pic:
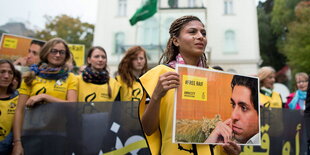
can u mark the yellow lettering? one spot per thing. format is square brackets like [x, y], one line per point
[286, 148]
[297, 138]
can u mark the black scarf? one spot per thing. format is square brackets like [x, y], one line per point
[95, 77]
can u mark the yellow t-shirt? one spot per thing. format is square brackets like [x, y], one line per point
[89, 92]
[130, 94]
[160, 142]
[7, 111]
[55, 88]
[274, 101]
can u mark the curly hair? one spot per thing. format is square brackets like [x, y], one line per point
[125, 67]
[171, 50]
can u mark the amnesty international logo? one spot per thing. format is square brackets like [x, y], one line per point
[135, 94]
[12, 105]
[41, 91]
[194, 88]
[90, 97]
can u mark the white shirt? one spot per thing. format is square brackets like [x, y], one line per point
[254, 139]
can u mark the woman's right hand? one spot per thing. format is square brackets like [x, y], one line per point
[166, 81]
[150, 118]
[18, 149]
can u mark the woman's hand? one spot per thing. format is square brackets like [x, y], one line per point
[232, 148]
[18, 149]
[222, 133]
[166, 82]
[150, 118]
[34, 99]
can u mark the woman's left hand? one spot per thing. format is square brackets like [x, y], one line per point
[34, 99]
[232, 148]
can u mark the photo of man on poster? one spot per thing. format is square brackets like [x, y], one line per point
[243, 125]
[33, 54]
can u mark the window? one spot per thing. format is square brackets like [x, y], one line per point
[228, 7]
[122, 7]
[191, 3]
[173, 3]
[230, 42]
[165, 32]
[119, 42]
[149, 32]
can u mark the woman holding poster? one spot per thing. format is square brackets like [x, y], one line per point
[186, 45]
[47, 82]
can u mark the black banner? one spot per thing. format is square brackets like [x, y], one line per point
[282, 131]
[114, 128]
[84, 128]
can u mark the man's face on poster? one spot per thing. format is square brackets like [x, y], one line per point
[244, 116]
[33, 54]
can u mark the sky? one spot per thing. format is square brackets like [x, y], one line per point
[32, 12]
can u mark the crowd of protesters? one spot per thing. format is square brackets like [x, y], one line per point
[49, 80]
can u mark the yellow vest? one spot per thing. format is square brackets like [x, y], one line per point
[130, 94]
[7, 111]
[160, 142]
[55, 88]
[274, 101]
[89, 92]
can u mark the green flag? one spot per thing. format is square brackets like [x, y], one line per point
[145, 12]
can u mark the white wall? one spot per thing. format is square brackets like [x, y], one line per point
[243, 22]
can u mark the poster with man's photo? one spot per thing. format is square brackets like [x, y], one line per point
[215, 107]
[13, 47]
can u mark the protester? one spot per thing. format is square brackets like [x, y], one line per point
[297, 99]
[218, 68]
[268, 97]
[131, 67]
[17, 79]
[8, 102]
[95, 83]
[33, 54]
[49, 81]
[280, 86]
[243, 125]
[186, 45]
[307, 116]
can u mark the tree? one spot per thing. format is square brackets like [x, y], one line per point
[73, 30]
[282, 14]
[267, 38]
[297, 44]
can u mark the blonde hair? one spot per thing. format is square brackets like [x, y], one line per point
[302, 74]
[264, 72]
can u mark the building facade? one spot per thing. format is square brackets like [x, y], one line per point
[232, 30]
